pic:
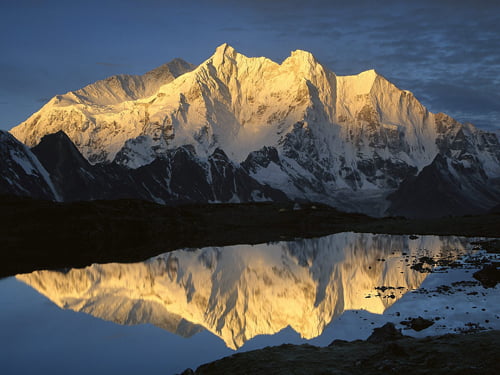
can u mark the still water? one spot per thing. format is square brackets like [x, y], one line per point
[192, 306]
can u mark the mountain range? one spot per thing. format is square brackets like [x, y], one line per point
[236, 129]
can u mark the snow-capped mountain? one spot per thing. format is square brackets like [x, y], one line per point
[87, 115]
[21, 173]
[125, 87]
[239, 292]
[348, 141]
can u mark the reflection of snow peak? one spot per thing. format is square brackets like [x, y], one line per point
[239, 292]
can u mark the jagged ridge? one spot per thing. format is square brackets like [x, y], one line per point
[346, 141]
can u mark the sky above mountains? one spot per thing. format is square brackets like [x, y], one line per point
[445, 52]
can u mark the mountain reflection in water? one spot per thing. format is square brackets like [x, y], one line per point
[239, 292]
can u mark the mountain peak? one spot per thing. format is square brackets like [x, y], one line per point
[66, 151]
[360, 83]
[176, 67]
[368, 76]
[21, 172]
[301, 58]
[369, 73]
[303, 55]
[222, 54]
[225, 49]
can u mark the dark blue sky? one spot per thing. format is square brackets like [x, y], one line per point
[446, 52]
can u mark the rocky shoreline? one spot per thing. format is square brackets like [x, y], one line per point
[385, 352]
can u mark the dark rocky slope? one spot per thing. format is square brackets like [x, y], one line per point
[20, 172]
[179, 176]
[445, 187]
[469, 354]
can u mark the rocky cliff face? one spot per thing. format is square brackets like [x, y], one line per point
[459, 181]
[242, 291]
[21, 173]
[347, 141]
[178, 176]
[448, 186]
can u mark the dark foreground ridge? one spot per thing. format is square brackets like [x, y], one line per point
[36, 234]
[476, 353]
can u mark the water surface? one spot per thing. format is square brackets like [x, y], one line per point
[188, 307]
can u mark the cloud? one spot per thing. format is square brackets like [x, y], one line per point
[458, 96]
[445, 52]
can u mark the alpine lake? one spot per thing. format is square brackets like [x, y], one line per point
[187, 307]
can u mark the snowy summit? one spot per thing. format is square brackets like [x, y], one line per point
[348, 141]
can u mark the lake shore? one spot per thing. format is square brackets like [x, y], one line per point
[472, 353]
[46, 235]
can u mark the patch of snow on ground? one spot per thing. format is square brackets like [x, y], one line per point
[450, 297]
